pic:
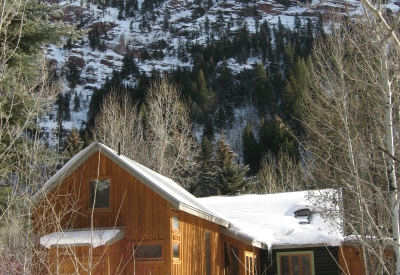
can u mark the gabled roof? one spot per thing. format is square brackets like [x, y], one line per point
[270, 218]
[178, 197]
[265, 221]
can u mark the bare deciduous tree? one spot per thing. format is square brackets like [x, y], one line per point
[347, 128]
[159, 136]
[279, 174]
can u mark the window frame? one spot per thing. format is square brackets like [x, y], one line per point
[176, 216]
[254, 260]
[158, 259]
[176, 236]
[89, 192]
[295, 253]
[179, 251]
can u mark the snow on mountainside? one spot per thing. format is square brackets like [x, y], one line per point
[119, 36]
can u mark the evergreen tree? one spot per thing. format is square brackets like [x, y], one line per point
[279, 34]
[207, 24]
[114, 3]
[29, 30]
[206, 153]
[262, 89]
[77, 102]
[129, 67]
[26, 88]
[72, 75]
[210, 3]
[167, 17]
[251, 155]
[275, 136]
[130, 7]
[66, 107]
[202, 92]
[73, 143]
[121, 9]
[208, 130]
[294, 91]
[229, 177]
[221, 119]
[94, 37]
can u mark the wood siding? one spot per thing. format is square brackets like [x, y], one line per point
[325, 260]
[350, 259]
[144, 214]
[104, 260]
[193, 247]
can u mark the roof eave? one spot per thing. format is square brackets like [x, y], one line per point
[244, 238]
[201, 214]
[65, 171]
[294, 246]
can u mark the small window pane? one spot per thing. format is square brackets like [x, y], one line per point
[148, 251]
[306, 265]
[176, 250]
[99, 194]
[285, 265]
[251, 266]
[175, 223]
[295, 265]
[247, 265]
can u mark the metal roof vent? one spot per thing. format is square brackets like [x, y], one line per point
[303, 215]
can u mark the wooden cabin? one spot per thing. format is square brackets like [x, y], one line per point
[103, 213]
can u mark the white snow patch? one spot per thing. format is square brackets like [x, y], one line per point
[94, 238]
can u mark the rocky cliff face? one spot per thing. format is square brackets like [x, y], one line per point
[154, 38]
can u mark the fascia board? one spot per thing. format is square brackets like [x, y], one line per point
[203, 215]
[243, 238]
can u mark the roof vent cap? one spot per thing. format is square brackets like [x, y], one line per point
[303, 215]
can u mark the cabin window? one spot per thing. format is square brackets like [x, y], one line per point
[251, 263]
[299, 263]
[148, 252]
[175, 250]
[208, 252]
[99, 194]
[176, 236]
[231, 253]
[175, 223]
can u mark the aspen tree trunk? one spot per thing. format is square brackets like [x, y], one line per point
[390, 149]
[388, 41]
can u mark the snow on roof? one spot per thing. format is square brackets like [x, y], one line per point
[94, 237]
[163, 186]
[270, 218]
